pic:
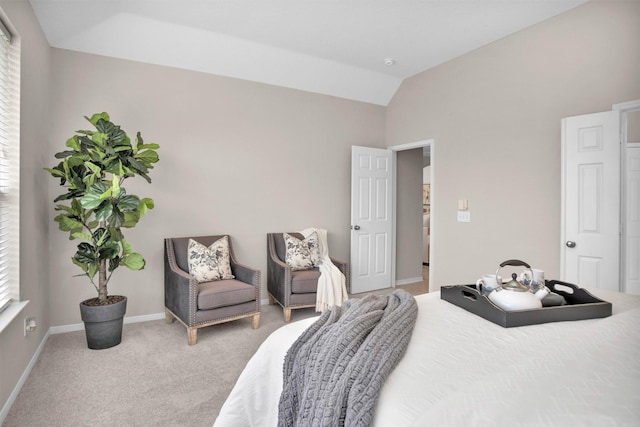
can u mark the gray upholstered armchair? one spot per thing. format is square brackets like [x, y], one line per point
[292, 289]
[197, 305]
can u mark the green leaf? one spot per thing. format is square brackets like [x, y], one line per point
[73, 143]
[99, 138]
[147, 157]
[144, 205]
[64, 208]
[94, 119]
[84, 236]
[91, 200]
[82, 265]
[70, 195]
[149, 203]
[109, 250]
[137, 166]
[145, 176]
[92, 269]
[104, 212]
[115, 168]
[55, 172]
[86, 253]
[116, 234]
[105, 126]
[114, 263]
[64, 154]
[133, 261]
[116, 218]
[127, 203]
[115, 186]
[121, 148]
[126, 248]
[89, 180]
[94, 168]
[131, 218]
[87, 142]
[152, 146]
[100, 236]
[74, 161]
[97, 156]
[76, 208]
[66, 223]
[119, 136]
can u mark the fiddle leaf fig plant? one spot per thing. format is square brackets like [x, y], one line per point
[95, 206]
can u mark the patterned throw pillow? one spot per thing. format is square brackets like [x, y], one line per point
[302, 254]
[212, 263]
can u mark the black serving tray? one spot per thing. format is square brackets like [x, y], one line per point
[580, 305]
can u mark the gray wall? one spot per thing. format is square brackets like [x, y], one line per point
[236, 157]
[495, 116]
[16, 350]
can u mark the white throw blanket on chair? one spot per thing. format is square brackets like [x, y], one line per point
[332, 288]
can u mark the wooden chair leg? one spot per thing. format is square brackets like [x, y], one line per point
[255, 321]
[168, 316]
[287, 315]
[192, 335]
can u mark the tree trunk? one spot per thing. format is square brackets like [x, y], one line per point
[102, 281]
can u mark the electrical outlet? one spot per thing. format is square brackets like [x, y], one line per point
[29, 325]
[464, 216]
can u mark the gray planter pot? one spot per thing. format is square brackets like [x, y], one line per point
[103, 324]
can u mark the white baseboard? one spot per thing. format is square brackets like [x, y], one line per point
[144, 318]
[80, 326]
[23, 379]
[408, 281]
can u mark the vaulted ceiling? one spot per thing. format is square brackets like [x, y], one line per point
[354, 49]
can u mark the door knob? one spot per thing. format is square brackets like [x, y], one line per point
[571, 244]
[356, 227]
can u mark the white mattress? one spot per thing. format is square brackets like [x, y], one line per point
[461, 370]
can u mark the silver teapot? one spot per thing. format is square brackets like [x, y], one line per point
[513, 295]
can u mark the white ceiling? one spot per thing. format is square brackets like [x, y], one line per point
[333, 47]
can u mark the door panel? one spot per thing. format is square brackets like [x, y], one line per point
[371, 218]
[591, 200]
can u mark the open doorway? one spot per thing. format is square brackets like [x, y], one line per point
[410, 206]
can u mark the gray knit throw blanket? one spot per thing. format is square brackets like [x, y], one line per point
[334, 371]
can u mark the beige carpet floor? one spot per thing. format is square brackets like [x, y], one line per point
[152, 378]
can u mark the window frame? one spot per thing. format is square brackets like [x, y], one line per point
[9, 173]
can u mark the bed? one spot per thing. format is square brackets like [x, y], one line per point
[462, 370]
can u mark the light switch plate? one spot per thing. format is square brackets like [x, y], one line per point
[464, 216]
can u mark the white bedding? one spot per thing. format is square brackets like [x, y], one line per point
[462, 370]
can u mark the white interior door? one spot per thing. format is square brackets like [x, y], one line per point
[633, 221]
[591, 200]
[371, 218]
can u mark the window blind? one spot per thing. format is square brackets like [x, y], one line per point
[9, 169]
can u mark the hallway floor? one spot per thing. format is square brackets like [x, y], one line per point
[416, 288]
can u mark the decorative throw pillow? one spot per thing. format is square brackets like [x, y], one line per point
[209, 263]
[302, 254]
